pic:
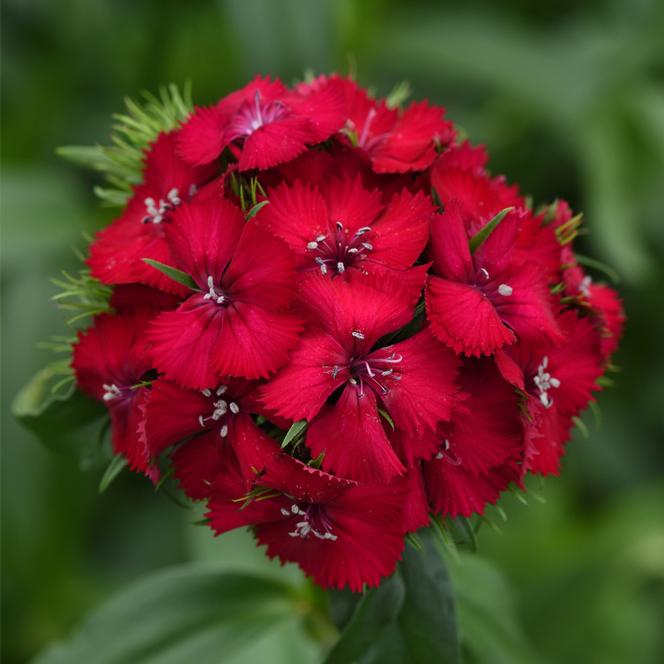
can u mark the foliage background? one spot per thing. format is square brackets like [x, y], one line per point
[569, 98]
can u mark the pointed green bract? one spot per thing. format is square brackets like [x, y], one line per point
[296, 429]
[122, 162]
[256, 209]
[173, 273]
[480, 237]
[117, 465]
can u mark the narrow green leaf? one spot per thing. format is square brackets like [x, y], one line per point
[256, 209]
[599, 266]
[296, 429]
[190, 613]
[481, 236]
[398, 95]
[387, 417]
[117, 465]
[173, 273]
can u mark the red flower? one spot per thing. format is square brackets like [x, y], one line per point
[218, 418]
[480, 302]
[110, 362]
[412, 380]
[239, 323]
[340, 226]
[340, 533]
[602, 302]
[480, 449]
[116, 255]
[395, 141]
[264, 124]
[559, 381]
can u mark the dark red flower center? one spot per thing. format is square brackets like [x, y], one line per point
[338, 250]
[314, 521]
[447, 454]
[221, 410]
[253, 116]
[215, 293]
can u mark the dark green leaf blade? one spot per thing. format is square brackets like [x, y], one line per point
[427, 619]
[376, 611]
[482, 235]
[173, 273]
[192, 612]
[65, 421]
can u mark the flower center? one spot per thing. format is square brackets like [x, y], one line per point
[253, 116]
[339, 250]
[314, 522]
[111, 392]
[544, 381]
[215, 294]
[446, 453]
[220, 409]
[157, 210]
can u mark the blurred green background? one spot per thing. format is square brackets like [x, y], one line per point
[569, 99]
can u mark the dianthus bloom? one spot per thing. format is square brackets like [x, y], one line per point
[330, 322]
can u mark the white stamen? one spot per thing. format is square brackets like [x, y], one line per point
[320, 238]
[221, 390]
[235, 409]
[584, 286]
[544, 381]
[312, 245]
[223, 432]
[357, 334]
[484, 272]
[341, 268]
[505, 290]
[219, 298]
[340, 226]
[353, 250]
[367, 245]
[321, 262]
[206, 392]
[201, 421]
[111, 392]
[363, 230]
[303, 528]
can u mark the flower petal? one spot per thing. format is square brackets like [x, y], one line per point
[352, 437]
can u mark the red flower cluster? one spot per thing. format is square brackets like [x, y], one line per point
[357, 274]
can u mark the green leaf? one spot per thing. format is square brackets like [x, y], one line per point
[190, 613]
[398, 95]
[255, 209]
[486, 615]
[173, 273]
[410, 617]
[427, 620]
[377, 610]
[481, 236]
[117, 465]
[599, 266]
[296, 429]
[65, 421]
